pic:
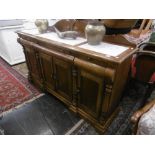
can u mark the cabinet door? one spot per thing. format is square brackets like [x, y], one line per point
[32, 59]
[63, 76]
[47, 70]
[89, 88]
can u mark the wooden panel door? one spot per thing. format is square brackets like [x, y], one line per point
[32, 59]
[47, 70]
[63, 76]
[89, 88]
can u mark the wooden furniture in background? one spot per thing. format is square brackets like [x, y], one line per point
[145, 72]
[119, 23]
[145, 67]
[139, 113]
[89, 83]
[144, 28]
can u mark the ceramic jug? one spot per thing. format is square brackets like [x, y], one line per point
[94, 32]
[42, 25]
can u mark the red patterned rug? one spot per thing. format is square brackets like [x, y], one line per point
[14, 88]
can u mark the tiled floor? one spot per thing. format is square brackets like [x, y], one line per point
[43, 116]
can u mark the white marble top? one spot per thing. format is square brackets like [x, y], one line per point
[53, 36]
[105, 48]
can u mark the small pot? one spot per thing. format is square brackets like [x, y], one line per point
[42, 25]
[94, 33]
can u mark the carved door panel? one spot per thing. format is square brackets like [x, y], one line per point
[89, 88]
[47, 70]
[63, 76]
[32, 58]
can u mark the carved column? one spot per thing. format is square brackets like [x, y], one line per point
[106, 101]
[39, 66]
[75, 94]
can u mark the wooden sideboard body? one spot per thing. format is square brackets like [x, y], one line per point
[89, 83]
